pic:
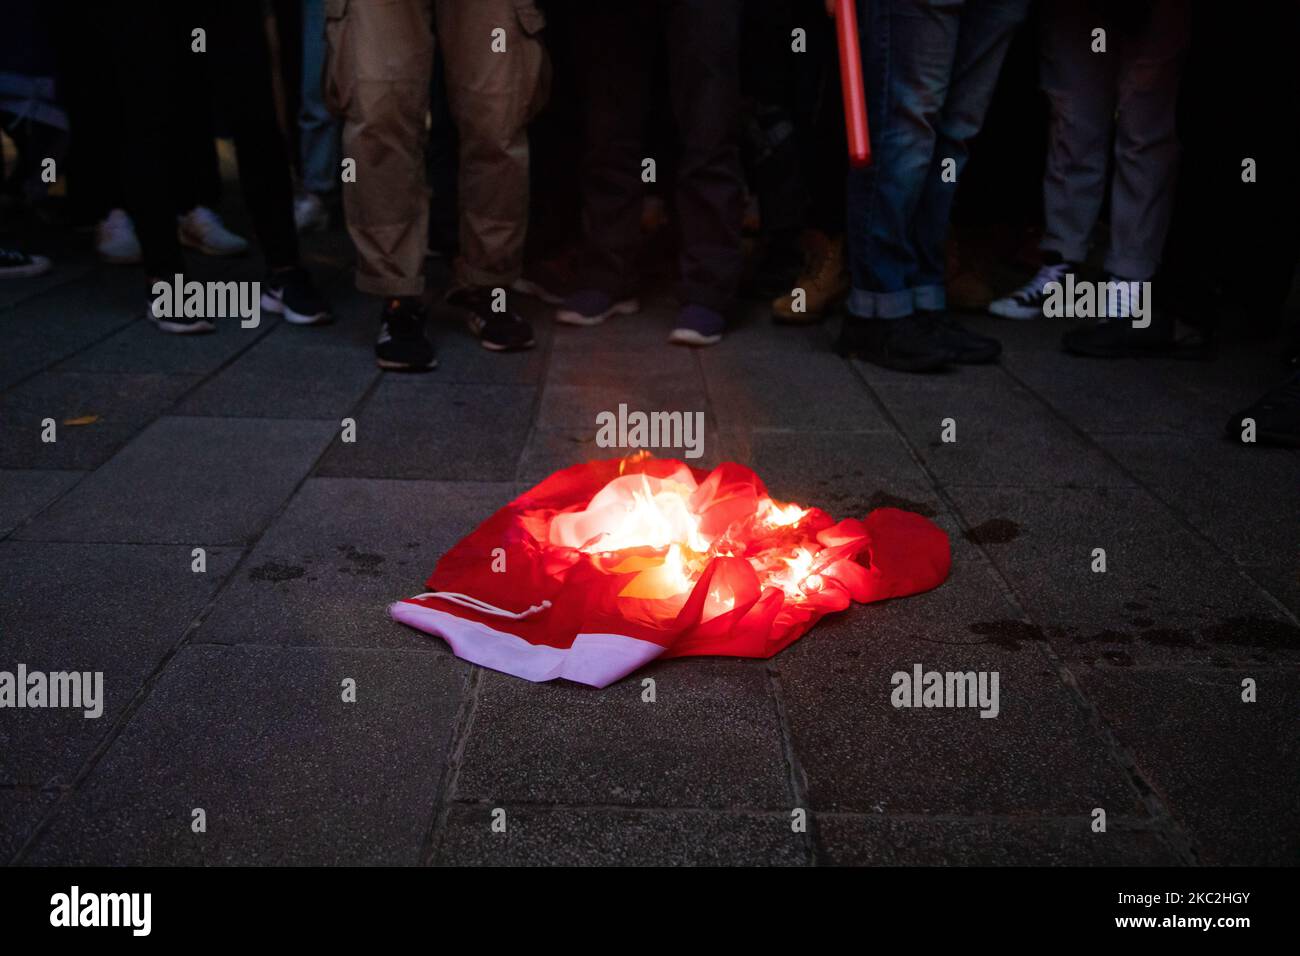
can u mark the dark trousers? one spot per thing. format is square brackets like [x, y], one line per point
[794, 120]
[702, 38]
[162, 93]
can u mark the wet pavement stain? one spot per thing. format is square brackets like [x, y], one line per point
[993, 531]
[272, 571]
[1009, 635]
[1254, 631]
[363, 563]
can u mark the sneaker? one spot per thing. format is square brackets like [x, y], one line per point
[506, 331]
[551, 280]
[823, 281]
[180, 325]
[698, 325]
[1117, 338]
[1276, 416]
[310, 214]
[19, 265]
[590, 307]
[401, 345]
[289, 292]
[1027, 301]
[907, 344]
[966, 347]
[202, 229]
[116, 241]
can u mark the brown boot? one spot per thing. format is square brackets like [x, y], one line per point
[823, 282]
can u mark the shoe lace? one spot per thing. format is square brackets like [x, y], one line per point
[1045, 274]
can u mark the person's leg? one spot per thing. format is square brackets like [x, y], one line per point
[909, 48]
[703, 38]
[1146, 142]
[1080, 88]
[492, 95]
[377, 78]
[493, 90]
[318, 130]
[615, 45]
[150, 106]
[239, 67]
[982, 43]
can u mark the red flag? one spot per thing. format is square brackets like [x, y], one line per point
[608, 565]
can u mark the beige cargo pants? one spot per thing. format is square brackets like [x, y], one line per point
[377, 71]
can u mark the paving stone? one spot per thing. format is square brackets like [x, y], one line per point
[1004, 436]
[859, 753]
[549, 450]
[1226, 768]
[113, 408]
[710, 740]
[290, 375]
[1245, 499]
[846, 474]
[445, 432]
[886, 841]
[286, 772]
[600, 367]
[564, 836]
[21, 810]
[205, 481]
[806, 390]
[23, 493]
[1121, 397]
[1165, 595]
[342, 551]
[140, 347]
[578, 407]
[66, 317]
[117, 609]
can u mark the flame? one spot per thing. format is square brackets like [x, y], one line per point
[639, 513]
[774, 515]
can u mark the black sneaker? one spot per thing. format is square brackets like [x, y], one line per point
[290, 293]
[967, 347]
[1276, 416]
[1117, 338]
[401, 345]
[506, 331]
[178, 325]
[906, 344]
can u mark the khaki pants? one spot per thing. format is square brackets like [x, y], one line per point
[377, 75]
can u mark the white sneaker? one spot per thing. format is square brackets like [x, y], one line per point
[20, 265]
[1027, 301]
[310, 213]
[202, 229]
[115, 239]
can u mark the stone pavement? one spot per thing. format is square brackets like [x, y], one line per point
[1119, 690]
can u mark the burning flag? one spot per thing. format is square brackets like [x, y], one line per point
[608, 565]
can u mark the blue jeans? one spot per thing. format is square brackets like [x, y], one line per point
[317, 128]
[930, 67]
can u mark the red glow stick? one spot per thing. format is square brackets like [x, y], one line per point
[855, 99]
